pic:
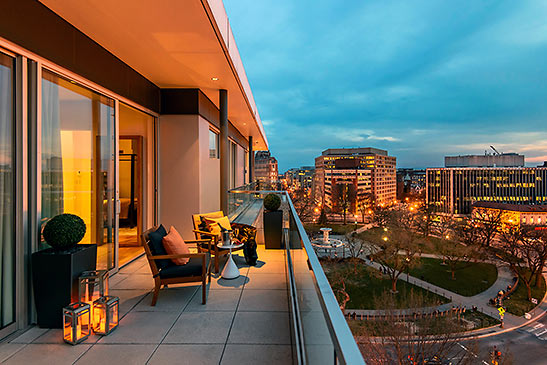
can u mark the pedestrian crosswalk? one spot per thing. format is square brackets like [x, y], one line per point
[539, 330]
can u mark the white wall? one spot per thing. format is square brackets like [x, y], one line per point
[209, 174]
[179, 171]
[240, 166]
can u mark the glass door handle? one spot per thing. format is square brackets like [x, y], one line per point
[118, 206]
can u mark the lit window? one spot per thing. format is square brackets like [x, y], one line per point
[213, 144]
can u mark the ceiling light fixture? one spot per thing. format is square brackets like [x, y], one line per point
[214, 78]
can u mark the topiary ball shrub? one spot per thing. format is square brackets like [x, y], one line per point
[64, 231]
[272, 202]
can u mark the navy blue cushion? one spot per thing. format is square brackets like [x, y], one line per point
[192, 268]
[156, 246]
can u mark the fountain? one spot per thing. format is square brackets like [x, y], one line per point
[327, 244]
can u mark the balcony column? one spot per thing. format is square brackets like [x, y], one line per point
[251, 160]
[224, 150]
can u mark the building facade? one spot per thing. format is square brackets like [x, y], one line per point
[514, 214]
[124, 125]
[486, 160]
[410, 182]
[265, 168]
[370, 170]
[455, 190]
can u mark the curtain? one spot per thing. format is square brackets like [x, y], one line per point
[7, 242]
[52, 166]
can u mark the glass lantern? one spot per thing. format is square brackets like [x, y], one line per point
[105, 314]
[92, 285]
[76, 322]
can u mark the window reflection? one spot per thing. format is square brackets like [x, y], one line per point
[78, 160]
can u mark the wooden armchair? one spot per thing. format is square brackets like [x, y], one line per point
[213, 250]
[196, 270]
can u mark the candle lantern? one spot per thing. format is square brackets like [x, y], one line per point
[92, 285]
[105, 314]
[76, 322]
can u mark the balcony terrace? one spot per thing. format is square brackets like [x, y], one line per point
[281, 311]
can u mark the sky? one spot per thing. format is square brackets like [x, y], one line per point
[421, 79]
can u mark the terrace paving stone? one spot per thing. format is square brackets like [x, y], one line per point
[187, 354]
[257, 354]
[48, 354]
[201, 327]
[117, 354]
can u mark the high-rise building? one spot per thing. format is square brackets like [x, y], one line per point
[370, 170]
[455, 190]
[265, 167]
[301, 177]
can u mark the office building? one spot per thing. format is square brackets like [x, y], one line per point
[265, 168]
[370, 170]
[455, 190]
[486, 160]
[300, 177]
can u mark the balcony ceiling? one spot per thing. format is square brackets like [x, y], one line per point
[174, 44]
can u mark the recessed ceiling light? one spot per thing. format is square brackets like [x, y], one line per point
[214, 78]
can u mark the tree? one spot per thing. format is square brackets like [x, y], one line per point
[381, 216]
[489, 222]
[323, 216]
[456, 256]
[364, 204]
[303, 203]
[398, 251]
[525, 251]
[444, 226]
[466, 232]
[344, 198]
[396, 340]
[338, 279]
[424, 219]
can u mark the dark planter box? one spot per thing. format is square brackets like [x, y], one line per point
[55, 280]
[273, 229]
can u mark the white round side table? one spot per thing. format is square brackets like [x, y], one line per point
[230, 270]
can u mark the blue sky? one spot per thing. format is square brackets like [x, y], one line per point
[422, 79]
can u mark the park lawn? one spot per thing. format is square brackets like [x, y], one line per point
[426, 244]
[368, 283]
[472, 279]
[337, 229]
[518, 303]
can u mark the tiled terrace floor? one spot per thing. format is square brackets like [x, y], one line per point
[245, 321]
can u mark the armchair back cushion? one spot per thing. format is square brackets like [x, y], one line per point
[155, 244]
[196, 218]
[175, 245]
[215, 225]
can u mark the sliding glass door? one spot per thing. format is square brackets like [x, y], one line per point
[7, 193]
[77, 145]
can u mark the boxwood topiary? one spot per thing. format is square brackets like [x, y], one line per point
[64, 231]
[272, 202]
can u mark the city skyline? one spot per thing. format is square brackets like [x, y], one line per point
[414, 78]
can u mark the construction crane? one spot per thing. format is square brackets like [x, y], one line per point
[495, 150]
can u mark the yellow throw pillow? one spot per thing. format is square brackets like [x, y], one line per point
[214, 224]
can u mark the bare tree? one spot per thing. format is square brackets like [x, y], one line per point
[489, 222]
[466, 232]
[337, 280]
[303, 203]
[380, 215]
[364, 204]
[398, 249]
[424, 219]
[416, 340]
[344, 198]
[456, 256]
[444, 226]
[525, 251]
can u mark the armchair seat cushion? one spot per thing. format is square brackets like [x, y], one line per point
[192, 268]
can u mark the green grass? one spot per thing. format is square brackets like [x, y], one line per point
[367, 283]
[518, 302]
[337, 229]
[426, 244]
[471, 279]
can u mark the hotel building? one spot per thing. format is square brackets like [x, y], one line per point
[370, 170]
[455, 190]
